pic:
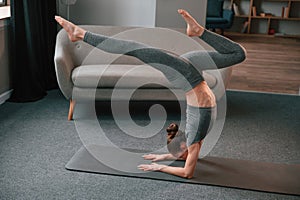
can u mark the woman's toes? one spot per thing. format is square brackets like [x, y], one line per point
[58, 19]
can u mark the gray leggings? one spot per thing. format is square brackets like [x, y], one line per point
[180, 71]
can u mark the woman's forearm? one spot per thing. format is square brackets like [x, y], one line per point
[189, 168]
[170, 157]
[178, 171]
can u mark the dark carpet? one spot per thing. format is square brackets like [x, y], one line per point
[36, 141]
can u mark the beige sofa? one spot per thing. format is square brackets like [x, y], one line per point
[85, 73]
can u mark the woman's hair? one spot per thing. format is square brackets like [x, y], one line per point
[174, 139]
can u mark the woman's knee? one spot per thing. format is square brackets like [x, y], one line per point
[241, 54]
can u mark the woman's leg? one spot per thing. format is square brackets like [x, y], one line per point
[177, 70]
[227, 52]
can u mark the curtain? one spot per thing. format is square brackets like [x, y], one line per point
[33, 36]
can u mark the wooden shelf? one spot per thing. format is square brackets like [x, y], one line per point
[254, 15]
[248, 34]
[261, 35]
[284, 0]
[276, 17]
[242, 16]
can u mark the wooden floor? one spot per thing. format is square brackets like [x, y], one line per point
[272, 65]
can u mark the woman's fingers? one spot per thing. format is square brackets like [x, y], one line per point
[144, 167]
[151, 167]
[150, 157]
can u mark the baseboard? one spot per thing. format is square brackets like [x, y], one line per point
[262, 92]
[4, 96]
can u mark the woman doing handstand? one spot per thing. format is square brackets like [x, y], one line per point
[201, 102]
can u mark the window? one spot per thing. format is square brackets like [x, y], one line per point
[2, 2]
[4, 11]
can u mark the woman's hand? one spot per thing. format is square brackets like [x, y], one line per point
[151, 167]
[154, 157]
[159, 157]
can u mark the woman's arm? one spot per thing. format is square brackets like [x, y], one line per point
[190, 164]
[186, 172]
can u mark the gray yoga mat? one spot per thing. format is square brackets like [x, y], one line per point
[242, 174]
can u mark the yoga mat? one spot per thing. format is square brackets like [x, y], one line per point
[242, 174]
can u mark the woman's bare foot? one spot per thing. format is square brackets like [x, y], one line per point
[193, 28]
[75, 33]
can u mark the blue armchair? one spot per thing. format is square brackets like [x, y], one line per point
[217, 17]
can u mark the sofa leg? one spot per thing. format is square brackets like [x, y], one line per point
[222, 31]
[71, 109]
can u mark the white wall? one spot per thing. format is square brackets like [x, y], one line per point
[148, 13]
[167, 16]
[111, 12]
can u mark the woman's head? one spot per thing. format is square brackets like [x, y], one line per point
[176, 141]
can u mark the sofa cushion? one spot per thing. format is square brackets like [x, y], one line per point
[216, 20]
[88, 76]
